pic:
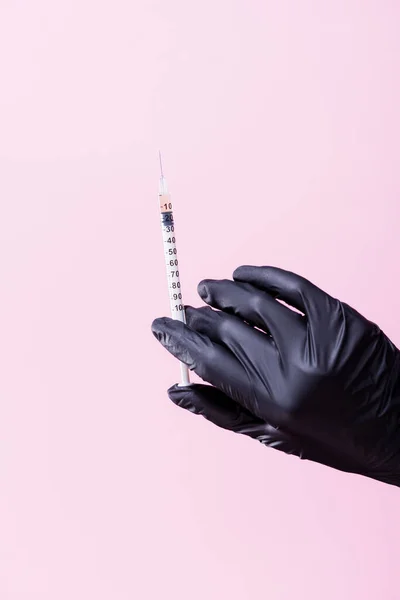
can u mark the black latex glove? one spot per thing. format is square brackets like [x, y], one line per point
[324, 384]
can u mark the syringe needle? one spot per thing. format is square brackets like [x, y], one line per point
[161, 169]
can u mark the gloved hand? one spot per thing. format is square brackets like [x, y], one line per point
[322, 383]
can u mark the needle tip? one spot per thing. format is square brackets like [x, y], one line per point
[161, 167]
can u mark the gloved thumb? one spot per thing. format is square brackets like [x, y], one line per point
[221, 410]
[224, 412]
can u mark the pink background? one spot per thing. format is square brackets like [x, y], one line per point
[282, 119]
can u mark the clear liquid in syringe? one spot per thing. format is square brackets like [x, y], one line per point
[171, 261]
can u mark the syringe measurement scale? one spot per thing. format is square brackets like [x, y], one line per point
[171, 261]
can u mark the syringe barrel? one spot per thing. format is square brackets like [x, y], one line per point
[172, 265]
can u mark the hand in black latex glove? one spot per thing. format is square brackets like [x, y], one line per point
[323, 385]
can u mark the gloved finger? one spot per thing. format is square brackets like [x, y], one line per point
[254, 306]
[208, 360]
[221, 410]
[287, 286]
[242, 340]
[215, 406]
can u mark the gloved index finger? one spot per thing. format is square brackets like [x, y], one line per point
[207, 359]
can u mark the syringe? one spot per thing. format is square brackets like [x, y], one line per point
[171, 261]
